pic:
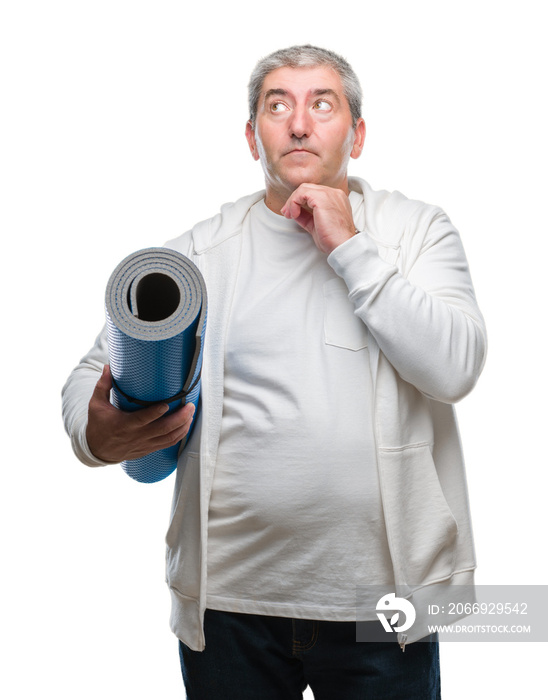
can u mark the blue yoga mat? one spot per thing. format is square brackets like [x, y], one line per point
[156, 308]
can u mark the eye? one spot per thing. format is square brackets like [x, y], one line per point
[322, 106]
[277, 107]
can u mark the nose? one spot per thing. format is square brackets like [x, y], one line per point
[301, 123]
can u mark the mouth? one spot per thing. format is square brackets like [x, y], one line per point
[299, 150]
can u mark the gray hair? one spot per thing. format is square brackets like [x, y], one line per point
[306, 56]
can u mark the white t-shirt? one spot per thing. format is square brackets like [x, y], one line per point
[295, 517]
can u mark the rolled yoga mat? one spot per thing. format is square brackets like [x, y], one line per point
[156, 308]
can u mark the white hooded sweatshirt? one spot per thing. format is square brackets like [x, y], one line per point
[408, 280]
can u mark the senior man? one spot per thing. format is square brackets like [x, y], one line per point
[342, 327]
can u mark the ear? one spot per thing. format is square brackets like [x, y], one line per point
[251, 141]
[359, 138]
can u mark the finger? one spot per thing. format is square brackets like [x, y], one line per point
[104, 385]
[171, 438]
[305, 220]
[187, 412]
[145, 416]
[293, 207]
[147, 419]
[157, 436]
[300, 207]
[181, 417]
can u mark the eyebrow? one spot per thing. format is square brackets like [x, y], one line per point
[326, 91]
[315, 93]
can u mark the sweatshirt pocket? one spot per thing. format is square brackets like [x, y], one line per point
[422, 530]
[342, 328]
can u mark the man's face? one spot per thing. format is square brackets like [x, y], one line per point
[303, 131]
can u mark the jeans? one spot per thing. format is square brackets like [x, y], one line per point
[258, 657]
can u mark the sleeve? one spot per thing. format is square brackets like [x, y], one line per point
[426, 322]
[76, 395]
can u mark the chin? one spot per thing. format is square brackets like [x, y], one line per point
[295, 179]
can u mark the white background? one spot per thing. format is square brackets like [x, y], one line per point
[122, 125]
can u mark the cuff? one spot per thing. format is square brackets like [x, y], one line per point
[81, 448]
[354, 258]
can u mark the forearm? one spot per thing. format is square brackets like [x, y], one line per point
[427, 323]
